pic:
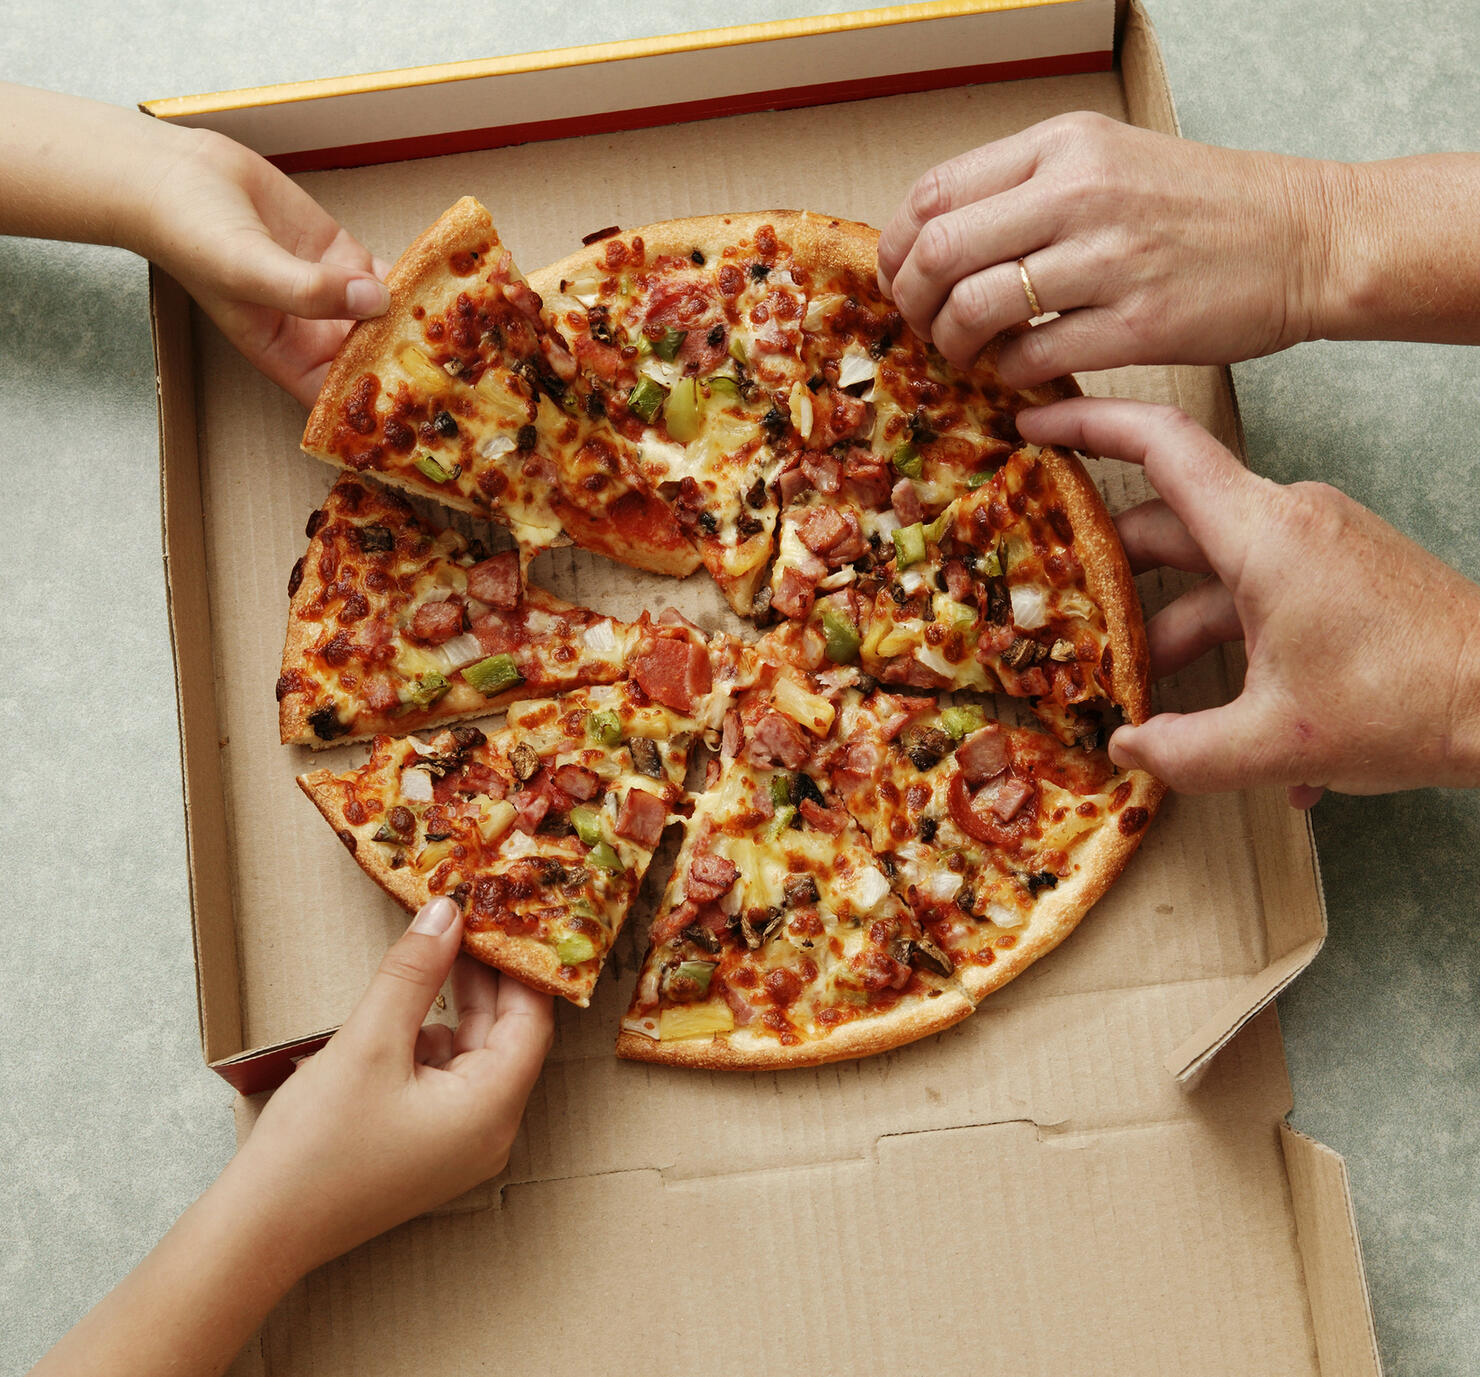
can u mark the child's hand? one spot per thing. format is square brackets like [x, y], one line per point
[266, 262]
[392, 1118]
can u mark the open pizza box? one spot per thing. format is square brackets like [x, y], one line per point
[1093, 1174]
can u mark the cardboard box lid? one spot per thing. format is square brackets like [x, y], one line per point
[859, 1217]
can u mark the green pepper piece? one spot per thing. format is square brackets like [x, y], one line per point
[603, 857]
[493, 675]
[574, 948]
[667, 345]
[387, 833]
[646, 398]
[937, 528]
[978, 479]
[909, 461]
[842, 637]
[681, 411]
[781, 789]
[960, 721]
[700, 972]
[644, 344]
[427, 688]
[782, 820]
[587, 822]
[604, 726]
[909, 545]
[435, 471]
[720, 383]
[737, 348]
[992, 565]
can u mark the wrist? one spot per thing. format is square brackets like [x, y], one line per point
[1325, 263]
[1460, 765]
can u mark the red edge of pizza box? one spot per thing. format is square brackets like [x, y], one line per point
[1093, 1173]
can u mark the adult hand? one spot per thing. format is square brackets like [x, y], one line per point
[1363, 649]
[392, 1118]
[1151, 249]
[266, 262]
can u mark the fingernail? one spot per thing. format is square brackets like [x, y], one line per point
[366, 297]
[435, 917]
[1119, 755]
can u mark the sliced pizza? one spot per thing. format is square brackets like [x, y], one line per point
[541, 831]
[998, 838]
[780, 940]
[393, 627]
[462, 391]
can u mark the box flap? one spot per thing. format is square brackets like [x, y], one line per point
[1336, 1280]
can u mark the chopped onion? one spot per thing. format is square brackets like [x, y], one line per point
[660, 370]
[438, 592]
[476, 608]
[854, 369]
[912, 580]
[784, 277]
[942, 886]
[517, 844]
[600, 638]
[419, 746]
[839, 578]
[416, 785]
[730, 900]
[885, 522]
[800, 405]
[1003, 916]
[870, 888]
[540, 623]
[647, 1027]
[934, 661]
[496, 445]
[462, 650]
[1029, 606]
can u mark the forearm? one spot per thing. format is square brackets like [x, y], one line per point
[193, 1302]
[1400, 255]
[78, 169]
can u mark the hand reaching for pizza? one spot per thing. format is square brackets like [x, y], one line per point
[388, 1120]
[1154, 249]
[277, 274]
[1363, 649]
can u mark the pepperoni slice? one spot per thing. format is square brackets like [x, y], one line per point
[436, 622]
[496, 581]
[673, 672]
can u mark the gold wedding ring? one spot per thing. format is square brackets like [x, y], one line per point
[1036, 309]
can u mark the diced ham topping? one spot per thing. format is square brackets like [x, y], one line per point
[794, 594]
[709, 878]
[825, 819]
[1008, 797]
[730, 735]
[525, 299]
[600, 359]
[868, 484]
[822, 528]
[793, 483]
[743, 1010]
[777, 739]
[380, 692]
[959, 582]
[824, 472]
[642, 818]
[436, 622]
[905, 499]
[496, 581]
[531, 805]
[839, 415]
[983, 754]
[666, 928]
[577, 781]
[673, 672]
[860, 758]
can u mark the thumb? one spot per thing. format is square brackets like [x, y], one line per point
[268, 275]
[390, 1013]
[1200, 752]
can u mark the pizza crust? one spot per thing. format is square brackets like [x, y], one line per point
[908, 1021]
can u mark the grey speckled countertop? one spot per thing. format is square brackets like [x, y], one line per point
[109, 1122]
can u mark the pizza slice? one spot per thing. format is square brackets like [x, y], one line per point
[463, 392]
[779, 940]
[541, 831]
[997, 838]
[393, 627]
[1020, 587]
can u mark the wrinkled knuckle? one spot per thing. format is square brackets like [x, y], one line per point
[931, 195]
[937, 248]
[969, 302]
[1315, 512]
[397, 965]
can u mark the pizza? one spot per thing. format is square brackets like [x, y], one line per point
[393, 626]
[900, 795]
[541, 832]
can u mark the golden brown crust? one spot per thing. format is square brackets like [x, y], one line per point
[1058, 912]
[527, 960]
[1107, 575]
[908, 1021]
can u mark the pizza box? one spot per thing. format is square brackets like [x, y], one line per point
[1091, 1174]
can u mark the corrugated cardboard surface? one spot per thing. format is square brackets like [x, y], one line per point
[1029, 1192]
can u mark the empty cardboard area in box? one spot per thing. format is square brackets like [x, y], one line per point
[1030, 1191]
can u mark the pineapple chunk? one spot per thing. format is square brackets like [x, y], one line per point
[433, 855]
[694, 1020]
[804, 707]
[498, 815]
[423, 370]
